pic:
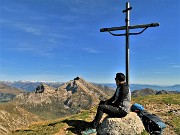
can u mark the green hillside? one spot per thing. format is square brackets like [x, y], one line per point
[167, 107]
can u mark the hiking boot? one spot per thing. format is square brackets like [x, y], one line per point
[88, 131]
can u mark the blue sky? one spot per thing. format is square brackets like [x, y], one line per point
[57, 40]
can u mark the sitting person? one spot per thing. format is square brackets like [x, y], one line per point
[117, 106]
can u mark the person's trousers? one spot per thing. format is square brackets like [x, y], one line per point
[108, 109]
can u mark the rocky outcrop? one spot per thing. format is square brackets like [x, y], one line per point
[143, 92]
[129, 125]
[44, 88]
[147, 91]
[167, 92]
[39, 89]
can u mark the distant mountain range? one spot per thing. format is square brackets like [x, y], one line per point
[147, 91]
[141, 86]
[31, 86]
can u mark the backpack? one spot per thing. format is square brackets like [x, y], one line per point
[136, 107]
[152, 123]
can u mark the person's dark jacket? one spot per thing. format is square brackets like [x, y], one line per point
[124, 98]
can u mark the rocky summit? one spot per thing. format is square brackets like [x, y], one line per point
[69, 98]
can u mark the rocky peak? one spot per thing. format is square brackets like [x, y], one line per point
[76, 85]
[72, 86]
[77, 78]
[44, 88]
[143, 92]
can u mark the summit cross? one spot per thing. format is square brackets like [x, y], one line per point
[127, 27]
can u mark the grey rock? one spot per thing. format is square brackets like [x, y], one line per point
[129, 125]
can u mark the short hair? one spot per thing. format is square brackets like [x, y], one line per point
[120, 76]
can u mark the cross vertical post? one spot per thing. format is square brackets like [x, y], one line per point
[127, 40]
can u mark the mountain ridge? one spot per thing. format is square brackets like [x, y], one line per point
[31, 85]
[148, 91]
[133, 87]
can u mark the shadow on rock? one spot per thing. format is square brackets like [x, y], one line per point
[76, 126]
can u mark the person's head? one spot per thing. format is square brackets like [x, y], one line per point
[120, 78]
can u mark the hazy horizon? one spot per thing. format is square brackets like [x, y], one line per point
[113, 83]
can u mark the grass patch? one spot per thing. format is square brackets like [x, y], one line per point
[73, 125]
[159, 99]
[41, 129]
[144, 133]
[176, 124]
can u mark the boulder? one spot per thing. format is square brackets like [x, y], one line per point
[129, 125]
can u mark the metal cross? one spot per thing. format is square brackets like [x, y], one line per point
[127, 34]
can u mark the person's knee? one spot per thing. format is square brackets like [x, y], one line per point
[122, 113]
[101, 106]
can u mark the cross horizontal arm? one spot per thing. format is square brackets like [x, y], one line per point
[130, 27]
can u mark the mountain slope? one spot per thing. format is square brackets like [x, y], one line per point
[4, 88]
[7, 93]
[13, 117]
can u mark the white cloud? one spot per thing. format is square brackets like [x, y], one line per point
[29, 28]
[46, 50]
[68, 65]
[175, 66]
[35, 77]
[90, 50]
[158, 58]
[57, 35]
[160, 72]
